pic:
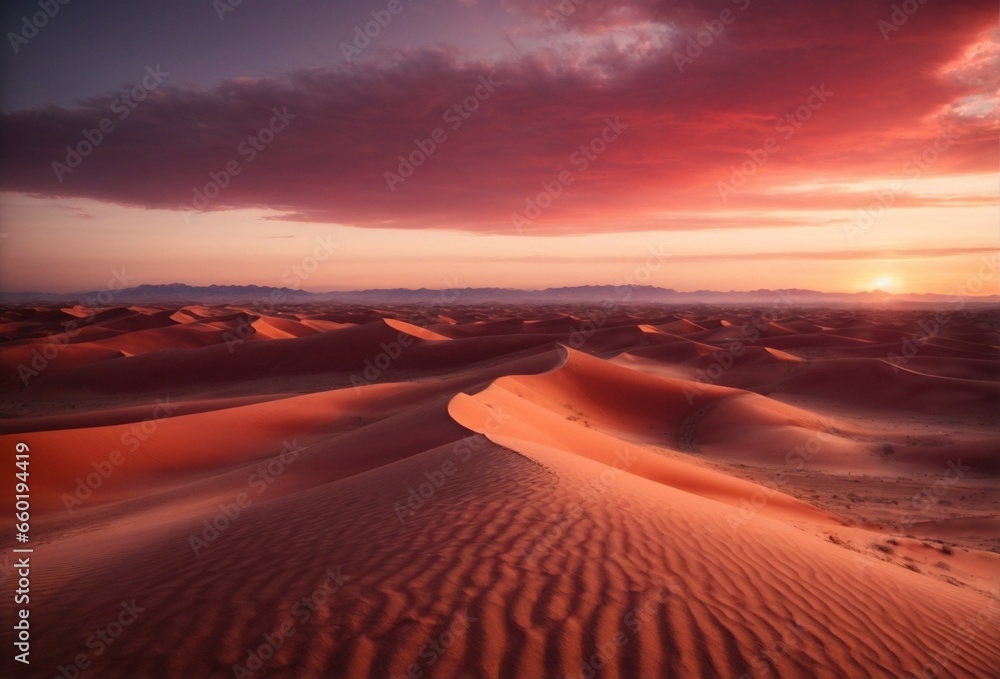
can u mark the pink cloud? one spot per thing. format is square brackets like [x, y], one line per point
[347, 126]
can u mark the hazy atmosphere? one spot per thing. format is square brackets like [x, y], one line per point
[835, 146]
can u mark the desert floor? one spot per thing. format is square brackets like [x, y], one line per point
[538, 492]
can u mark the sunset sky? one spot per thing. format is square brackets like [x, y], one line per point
[740, 144]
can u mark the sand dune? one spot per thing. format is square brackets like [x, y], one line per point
[23, 361]
[643, 583]
[528, 493]
[272, 327]
[875, 383]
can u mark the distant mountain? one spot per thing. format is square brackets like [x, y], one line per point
[609, 294]
[173, 292]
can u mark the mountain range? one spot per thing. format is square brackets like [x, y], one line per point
[609, 294]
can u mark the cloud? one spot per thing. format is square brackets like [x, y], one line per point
[685, 132]
[809, 255]
[77, 212]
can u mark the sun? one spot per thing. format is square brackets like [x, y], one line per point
[884, 283]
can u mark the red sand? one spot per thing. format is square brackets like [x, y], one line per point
[507, 492]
